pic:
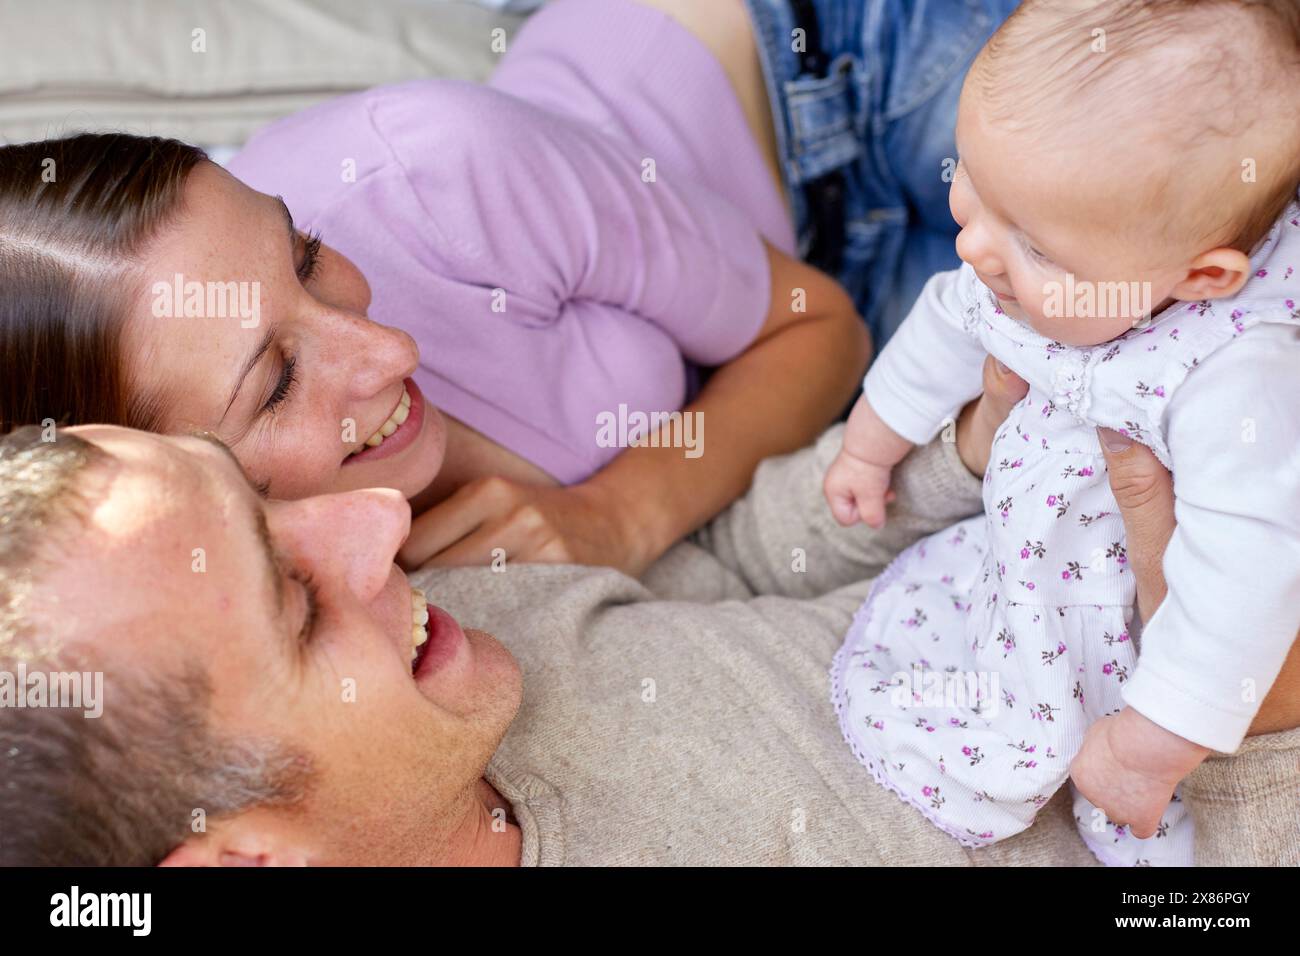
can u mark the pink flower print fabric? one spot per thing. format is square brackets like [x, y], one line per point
[969, 677]
[970, 705]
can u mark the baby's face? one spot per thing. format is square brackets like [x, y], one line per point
[1047, 226]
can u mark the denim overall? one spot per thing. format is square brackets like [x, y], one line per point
[865, 107]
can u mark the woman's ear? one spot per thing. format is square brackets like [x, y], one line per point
[1216, 274]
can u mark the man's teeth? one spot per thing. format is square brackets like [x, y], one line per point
[419, 618]
[394, 422]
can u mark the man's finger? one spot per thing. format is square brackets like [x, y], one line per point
[1003, 388]
[1144, 491]
[980, 419]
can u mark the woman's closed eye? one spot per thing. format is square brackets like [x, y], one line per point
[288, 379]
[306, 269]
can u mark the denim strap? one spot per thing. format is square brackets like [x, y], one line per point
[825, 193]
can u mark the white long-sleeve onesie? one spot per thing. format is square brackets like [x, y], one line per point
[1036, 595]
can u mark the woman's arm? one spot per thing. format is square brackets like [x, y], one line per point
[778, 395]
[801, 369]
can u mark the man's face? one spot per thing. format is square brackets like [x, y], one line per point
[304, 626]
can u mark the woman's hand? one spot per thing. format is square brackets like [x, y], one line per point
[495, 519]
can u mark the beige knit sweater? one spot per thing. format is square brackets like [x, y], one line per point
[682, 719]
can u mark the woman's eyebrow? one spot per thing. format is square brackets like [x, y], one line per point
[265, 344]
[249, 364]
[288, 219]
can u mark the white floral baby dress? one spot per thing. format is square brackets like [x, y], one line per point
[984, 652]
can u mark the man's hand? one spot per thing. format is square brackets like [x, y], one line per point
[980, 420]
[1129, 766]
[1144, 491]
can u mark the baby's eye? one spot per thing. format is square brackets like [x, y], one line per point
[1036, 255]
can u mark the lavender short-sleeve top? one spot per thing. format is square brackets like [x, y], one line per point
[571, 237]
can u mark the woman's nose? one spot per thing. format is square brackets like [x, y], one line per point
[370, 357]
[350, 537]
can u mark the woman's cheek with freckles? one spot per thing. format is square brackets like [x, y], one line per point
[309, 467]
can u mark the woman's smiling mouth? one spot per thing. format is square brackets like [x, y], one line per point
[400, 429]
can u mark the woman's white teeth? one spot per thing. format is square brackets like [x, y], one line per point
[419, 618]
[395, 420]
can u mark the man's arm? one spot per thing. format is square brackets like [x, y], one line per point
[780, 538]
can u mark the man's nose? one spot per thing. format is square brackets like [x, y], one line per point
[350, 537]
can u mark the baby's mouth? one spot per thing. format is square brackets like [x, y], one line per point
[419, 632]
[395, 421]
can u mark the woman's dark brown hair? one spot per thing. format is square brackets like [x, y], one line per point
[74, 215]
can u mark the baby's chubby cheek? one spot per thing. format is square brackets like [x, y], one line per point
[1075, 330]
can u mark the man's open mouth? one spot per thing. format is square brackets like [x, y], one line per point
[419, 629]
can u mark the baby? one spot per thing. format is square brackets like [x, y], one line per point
[1130, 237]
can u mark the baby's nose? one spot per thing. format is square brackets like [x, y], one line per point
[978, 253]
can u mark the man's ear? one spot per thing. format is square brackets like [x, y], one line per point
[1216, 274]
[240, 841]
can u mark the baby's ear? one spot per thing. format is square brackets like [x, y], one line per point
[1216, 274]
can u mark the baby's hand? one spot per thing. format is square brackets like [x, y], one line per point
[857, 482]
[857, 490]
[1129, 766]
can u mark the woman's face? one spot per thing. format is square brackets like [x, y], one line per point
[246, 329]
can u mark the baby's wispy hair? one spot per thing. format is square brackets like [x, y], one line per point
[1217, 71]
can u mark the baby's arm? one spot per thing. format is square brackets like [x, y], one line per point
[857, 482]
[1213, 649]
[928, 371]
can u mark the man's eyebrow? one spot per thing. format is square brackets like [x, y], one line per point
[259, 522]
[216, 442]
[268, 550]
